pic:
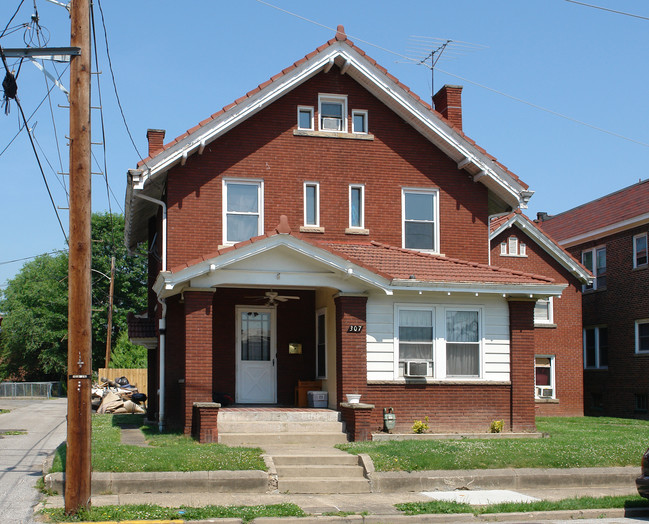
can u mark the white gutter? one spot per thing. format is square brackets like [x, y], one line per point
[162, 323]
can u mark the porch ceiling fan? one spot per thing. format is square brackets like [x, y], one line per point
[273, 297]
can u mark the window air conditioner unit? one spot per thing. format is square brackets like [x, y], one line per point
[331, 124]
[416, 369]
[544, 392]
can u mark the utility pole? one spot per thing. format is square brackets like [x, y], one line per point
[109, 332]
[78, 466]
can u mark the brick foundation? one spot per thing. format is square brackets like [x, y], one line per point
[205, 422]
[358, 418]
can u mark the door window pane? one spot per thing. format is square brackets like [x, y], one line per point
[255, 336]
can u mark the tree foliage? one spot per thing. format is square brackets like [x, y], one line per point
[33, 340]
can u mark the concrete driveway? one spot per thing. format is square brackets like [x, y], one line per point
[22, 455]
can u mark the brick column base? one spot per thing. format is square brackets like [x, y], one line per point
[357, 419]
[204, 422]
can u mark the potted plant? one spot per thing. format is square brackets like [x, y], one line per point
[353, 398]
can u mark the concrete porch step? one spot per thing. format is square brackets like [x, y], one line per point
[320, 439]
[297, 459]
[278, 426]
[279, 415]
[320, 471]
[323, 485]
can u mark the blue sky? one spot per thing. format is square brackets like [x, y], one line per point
[175, 63]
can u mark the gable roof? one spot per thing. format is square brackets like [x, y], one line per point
[623, 209]
[353, 61]
[550, 246]
[371, 264]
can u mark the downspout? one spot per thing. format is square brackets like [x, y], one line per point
[489, 219]
[162, 323]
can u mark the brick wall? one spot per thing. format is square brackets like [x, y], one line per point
[564, 338]
[264, 147]
[351, 348]
[624, 300]
[521, 330]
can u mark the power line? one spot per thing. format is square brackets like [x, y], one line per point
[12, 18]
[536, 106]
[607, 9]
[5, 262]
[112, 75]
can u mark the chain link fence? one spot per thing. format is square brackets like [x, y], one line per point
[16, 390]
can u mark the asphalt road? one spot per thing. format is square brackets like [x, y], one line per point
[22, 455]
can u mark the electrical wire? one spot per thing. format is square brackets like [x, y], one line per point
[607, 9]
[12, 18]
[40, 166]
[511, 97]
[5, 262]
[112, 75]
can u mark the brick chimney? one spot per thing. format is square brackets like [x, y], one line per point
[448, 102]
[156, 140]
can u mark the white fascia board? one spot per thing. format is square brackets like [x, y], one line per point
[607, 230]
[237, 114]
[536, 290]
[168, 283]
[548, 246]
[438, 127]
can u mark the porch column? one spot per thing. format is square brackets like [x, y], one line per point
[521, 326]
[351, 346]
[198, 352]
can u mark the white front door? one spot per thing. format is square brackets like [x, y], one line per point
[256, 353]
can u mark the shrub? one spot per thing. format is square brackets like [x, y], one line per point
[419, 426]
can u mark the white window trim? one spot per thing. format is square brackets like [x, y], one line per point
[362, 209]
[317, 203]
[594, 270]
[435, 193]
[224, 204]
[318, 313]
[310, 110]
[550, 319]
[553, 383]
[637, 336]
[328, 97]
[597, 348]
[635, 251]
[364, 113]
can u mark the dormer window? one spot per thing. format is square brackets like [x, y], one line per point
[513, 248]
[332, 111]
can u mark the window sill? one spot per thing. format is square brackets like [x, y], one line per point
[512, 255]
[641, 268]
[641, 354]
[546, 325]
[333, 134]
[356, 231]
[311, 229]
[590, 291]
[596, 369]
[546, 400]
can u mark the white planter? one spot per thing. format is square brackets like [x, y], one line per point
[353, 398]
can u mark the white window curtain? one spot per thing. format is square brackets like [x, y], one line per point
[242, 211]
[462, 343]
[415, 335]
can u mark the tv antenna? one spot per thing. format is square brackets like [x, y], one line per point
[428, 50]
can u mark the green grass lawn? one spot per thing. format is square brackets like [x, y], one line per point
[167, 451]
[574, 443]
[149, 512]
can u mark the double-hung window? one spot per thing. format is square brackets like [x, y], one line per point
[415, 336]
[242, 210]
[312, 204]
[462, 343]
[356, 206]
[420, 215]
[642, 336]
[595, 261]
[332, 111]
[640, 250]
[596, 347]
[543, 312]
[544, 376]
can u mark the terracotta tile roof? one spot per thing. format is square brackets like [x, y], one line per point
[400, 263]
[608, 210]
[339, 37]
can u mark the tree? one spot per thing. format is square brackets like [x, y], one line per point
[33, 341]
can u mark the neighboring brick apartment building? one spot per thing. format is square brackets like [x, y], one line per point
[609, 235]
[331, 225]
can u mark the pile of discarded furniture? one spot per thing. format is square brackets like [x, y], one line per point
[117, 396]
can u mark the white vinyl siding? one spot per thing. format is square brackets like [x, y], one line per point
[382, 360]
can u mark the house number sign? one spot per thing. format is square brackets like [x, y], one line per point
[354, 329]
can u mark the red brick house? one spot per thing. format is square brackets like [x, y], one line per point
[518, 243]
[609, 236]
[330, 225]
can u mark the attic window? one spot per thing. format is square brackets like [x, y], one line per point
[305, 117]
[332, 111]
[513, 248]
[359, 121]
